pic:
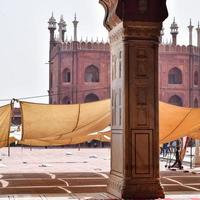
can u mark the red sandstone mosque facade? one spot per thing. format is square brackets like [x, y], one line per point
[79, 71]
[179, 70]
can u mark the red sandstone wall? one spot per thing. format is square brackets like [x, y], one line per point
[102, 61]
[188, 61]
[166, 62]
[98, 54]
[77, 61]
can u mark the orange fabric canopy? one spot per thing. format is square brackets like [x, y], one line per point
[70, 124]
[44, 125]
[5, 119]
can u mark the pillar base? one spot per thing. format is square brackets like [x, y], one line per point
[135, 189]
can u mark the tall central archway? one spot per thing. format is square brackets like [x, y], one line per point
[175, 76]
[91, 97]
[92, 74]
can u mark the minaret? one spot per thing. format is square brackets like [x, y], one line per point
[75, 22]
[52, 28]
[174, 32]
[62, 29]
[190, 27]
[198, 35]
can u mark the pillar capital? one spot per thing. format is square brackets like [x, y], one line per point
[133, 10]
[136, 30]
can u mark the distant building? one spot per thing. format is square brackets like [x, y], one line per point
[179, 69]
[79, 71]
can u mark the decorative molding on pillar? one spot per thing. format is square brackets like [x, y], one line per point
[142, 30]
[116, 33]
[148, 190]
[116, 184]
[142, 159]
[134, 30]
[136, 189]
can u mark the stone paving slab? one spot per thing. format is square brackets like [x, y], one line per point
[55, 173]
[91, 184]
[82, 196]
[24, 175]
[80, 175]
[86, 181]
[87, 189]
[187, 179]
[32, 190]
[32, 182]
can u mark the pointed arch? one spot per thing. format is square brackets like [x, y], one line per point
[66, 100]
[196, 103]
[92, 74]
[51, 80]
[175, 76]
[66, 75]
[196, 78]
[176, 100]
[91, 97]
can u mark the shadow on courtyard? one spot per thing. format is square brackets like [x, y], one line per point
[85, 182]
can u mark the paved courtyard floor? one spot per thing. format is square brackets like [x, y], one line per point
[70, 173]
[39, 160]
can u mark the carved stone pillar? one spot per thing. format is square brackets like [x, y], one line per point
[134, 27]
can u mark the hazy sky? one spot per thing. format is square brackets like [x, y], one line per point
[24, 38]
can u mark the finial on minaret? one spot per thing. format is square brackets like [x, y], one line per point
[52, 28]
[52, 14]
[52, 23]
[198, 35]
[62, 29]
[75, 22]
[190, 27]
[174, 32]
